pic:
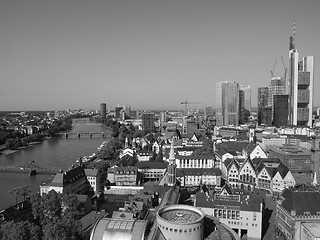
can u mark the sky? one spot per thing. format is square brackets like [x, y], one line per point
[149, 54]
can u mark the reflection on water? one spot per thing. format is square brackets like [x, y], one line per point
[57, 152]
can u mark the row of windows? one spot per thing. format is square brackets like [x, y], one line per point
[180, 230]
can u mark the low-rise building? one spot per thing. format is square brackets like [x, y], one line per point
[151, 171]
[298, 160]
[123, 176]
[71, 181]
[211, 177]
[242, 213]
[297, 213]
[94, 178]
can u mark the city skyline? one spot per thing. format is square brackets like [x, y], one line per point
[149, 55]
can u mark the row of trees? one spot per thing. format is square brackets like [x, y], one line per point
[56, 217]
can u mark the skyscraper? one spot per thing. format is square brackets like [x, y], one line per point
[300, 86]
[263, 93]
[103, 110]
[247, 96]
[227, 99]
[280, 110]
[277, 86]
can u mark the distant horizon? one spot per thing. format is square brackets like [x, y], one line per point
[148, 54]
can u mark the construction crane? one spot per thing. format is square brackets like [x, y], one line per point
[274, 67]
[285, 70]
[186, 103]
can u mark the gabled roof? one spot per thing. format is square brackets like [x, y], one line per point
[71, 176]
[231, 163]
[250, 163]
[251, 146]
[226, 188]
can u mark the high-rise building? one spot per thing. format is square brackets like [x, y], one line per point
[227, 99]
[241, 106]
[247, 96]
[263, 93]
[277, 86]
[103, 111]
[265, 115]
[148, 121]
[280, 110]
[264, 111]
[300, 86]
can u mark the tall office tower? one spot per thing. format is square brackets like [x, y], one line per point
[280, 110]
[103, 111]
[241, 106]
[227, 99]
[247, 96]
[263, 93]
[277, 86]
[300, 84]
[148, 121]
[264, 111]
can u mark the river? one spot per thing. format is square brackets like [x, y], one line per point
[56, 152]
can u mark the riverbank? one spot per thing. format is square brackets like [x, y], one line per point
[5, 151]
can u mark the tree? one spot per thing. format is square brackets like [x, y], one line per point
[20, 231]
[47, 207]
[64, 229]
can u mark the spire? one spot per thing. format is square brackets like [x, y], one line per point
[171, 155]
[293, 37]
[126, 143]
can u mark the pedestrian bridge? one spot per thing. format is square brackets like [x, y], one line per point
[30, 167]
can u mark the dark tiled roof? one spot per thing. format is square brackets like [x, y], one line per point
[301, 202]
[151, 165]
[232, 146]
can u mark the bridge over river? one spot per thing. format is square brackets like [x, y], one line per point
[81, 134]
[31, 167]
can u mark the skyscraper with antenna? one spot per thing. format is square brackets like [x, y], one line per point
[300, 85]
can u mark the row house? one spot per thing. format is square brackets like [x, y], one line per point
[189, 177]
[264, 173]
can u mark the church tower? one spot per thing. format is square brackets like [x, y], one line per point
[172, 167]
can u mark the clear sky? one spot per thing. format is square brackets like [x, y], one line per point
[150, 54]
